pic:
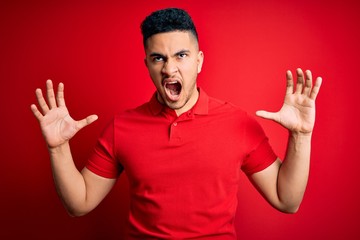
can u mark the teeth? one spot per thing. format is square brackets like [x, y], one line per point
[173, 82]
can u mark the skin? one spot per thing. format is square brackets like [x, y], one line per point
[283, 183]
[174, 56]
[82, 191]
[171, 57]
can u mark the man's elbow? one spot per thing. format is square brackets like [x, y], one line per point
[76, 212]
[289, 209]
[289, 204]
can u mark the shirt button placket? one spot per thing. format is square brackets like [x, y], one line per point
[175, 132]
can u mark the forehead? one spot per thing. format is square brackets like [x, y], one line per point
[171, 41]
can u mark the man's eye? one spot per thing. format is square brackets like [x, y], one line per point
[182, 55]
[158, 59]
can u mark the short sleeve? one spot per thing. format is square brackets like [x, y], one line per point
[260, 154]
[103, 161]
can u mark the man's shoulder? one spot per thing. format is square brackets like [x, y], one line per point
[142, 110]
[220, 106]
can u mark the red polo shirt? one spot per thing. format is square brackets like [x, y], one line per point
[183, 170]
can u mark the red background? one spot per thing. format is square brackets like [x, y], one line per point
[96, 50]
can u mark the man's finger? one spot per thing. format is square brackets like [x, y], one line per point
[60, 95]
[50, 94]
[299, 81]
[42, 103]
[86, 121]
[315, 90]
[36, 112]
[289, 83]
[266, 115]
[308, 83]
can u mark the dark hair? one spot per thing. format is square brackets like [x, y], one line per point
[167, 20]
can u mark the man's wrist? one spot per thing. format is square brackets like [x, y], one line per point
[59, 149]
[300, 136]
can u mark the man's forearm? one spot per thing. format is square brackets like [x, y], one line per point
[68, 180]
[294, 171]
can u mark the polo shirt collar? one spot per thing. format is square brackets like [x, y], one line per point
[200, 108]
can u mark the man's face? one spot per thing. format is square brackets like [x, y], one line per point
[174, 61]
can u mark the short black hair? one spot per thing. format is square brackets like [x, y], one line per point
[167, 20]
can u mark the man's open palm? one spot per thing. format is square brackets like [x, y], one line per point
[298, 111]
[55, 121]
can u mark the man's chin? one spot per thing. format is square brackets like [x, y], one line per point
[175, 105]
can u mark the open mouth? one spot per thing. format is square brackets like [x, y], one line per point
[173, 89]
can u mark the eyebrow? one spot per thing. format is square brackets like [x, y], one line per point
[181, 52]
[155, 54]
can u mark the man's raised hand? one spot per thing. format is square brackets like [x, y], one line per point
[55, 121]
[298, 111]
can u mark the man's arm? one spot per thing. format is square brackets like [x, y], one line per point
[80, 191]
[283, 183]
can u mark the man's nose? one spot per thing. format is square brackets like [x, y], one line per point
[170, 67]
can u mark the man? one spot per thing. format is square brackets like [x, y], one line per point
[183, 150]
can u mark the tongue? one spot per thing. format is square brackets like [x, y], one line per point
[173, 91]
[174, 88]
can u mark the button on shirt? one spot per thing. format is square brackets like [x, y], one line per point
[183, 170]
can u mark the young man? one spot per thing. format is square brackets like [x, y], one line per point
[183, 150]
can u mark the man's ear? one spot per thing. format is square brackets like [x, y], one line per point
[200, 60]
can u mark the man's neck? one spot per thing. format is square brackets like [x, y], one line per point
[189, 104]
